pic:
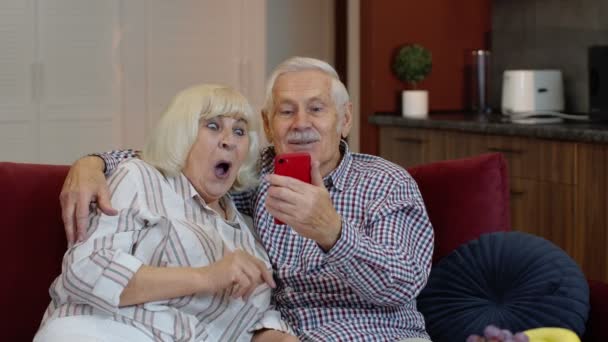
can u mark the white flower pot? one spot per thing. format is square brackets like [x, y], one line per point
[415, 104]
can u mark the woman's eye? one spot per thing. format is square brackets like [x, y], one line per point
[240, 132]
[212, 125]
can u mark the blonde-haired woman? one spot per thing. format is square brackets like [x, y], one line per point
[178, 262]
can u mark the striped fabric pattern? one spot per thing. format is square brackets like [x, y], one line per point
[163, 222]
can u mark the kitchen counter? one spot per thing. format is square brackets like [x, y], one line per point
[593, 132]
[558, 173]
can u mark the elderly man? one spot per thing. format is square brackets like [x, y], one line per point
[355, 247]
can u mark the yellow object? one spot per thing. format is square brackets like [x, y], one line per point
[551, 335]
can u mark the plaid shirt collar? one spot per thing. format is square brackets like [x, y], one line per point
[338, 178]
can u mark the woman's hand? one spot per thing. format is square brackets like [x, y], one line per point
[85, 183]
[239, 272]
[270, 335]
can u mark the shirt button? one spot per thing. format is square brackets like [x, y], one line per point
[288, 289]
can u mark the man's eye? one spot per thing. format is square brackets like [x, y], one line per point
[316, 108]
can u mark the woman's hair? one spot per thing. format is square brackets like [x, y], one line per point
[168, 147]
[339, 94]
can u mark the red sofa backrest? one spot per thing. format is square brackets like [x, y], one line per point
[33, 246]
[464, 199]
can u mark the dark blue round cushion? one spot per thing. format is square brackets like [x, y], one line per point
[513, 280]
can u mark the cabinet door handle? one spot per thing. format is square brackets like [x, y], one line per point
[410, 140]
[505, 150]
[517, 193]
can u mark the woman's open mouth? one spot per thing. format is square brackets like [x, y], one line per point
[222, 169]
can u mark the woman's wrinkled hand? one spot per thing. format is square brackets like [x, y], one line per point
[238, 272]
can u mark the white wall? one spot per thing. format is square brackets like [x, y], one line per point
[307, 28]
[299, 28]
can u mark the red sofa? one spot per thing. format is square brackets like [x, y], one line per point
[464, 198]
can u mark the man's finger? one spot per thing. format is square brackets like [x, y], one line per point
[285, 182]
[103, 202]
[82, 215]
[315, 174]
[277, 212]
[67, 215]
[283, 195]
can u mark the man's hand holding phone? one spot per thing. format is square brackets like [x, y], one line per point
[294, 165]
[301, 202]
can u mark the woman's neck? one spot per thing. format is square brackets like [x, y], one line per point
[218, 207]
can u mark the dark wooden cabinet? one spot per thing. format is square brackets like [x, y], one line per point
[590, 243]
[559, 190]
[422, 146]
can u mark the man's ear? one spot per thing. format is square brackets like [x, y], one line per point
[266, 122]
[347, 120]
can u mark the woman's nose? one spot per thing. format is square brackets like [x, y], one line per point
[227, 141]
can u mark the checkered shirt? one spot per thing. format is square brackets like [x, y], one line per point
[364, 288]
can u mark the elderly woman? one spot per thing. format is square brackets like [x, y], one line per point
[178, 262]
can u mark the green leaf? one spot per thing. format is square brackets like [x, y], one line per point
[412, 63]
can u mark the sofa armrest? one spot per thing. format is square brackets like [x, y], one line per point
[597, 325]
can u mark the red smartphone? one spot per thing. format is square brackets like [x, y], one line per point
[296, 165]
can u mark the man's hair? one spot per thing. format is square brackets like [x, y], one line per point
[168, 147]
[339, 94]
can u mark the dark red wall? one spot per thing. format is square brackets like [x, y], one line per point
[448, 28]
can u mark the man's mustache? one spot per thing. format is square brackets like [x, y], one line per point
[308, 135]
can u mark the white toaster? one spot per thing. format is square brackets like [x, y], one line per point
[532, 91]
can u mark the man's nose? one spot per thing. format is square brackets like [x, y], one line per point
[301, 119]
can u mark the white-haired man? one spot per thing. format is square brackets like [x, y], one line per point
[356, 246]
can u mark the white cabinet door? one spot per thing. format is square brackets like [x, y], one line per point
[18, 119]
[79, 75]
[59, 79]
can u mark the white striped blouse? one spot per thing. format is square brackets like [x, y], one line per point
[163, 222]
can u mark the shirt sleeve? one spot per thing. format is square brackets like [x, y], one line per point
[388, 260]
[96, 271]
[271, 319]
[111, 159]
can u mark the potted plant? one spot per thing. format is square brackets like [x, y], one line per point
[412, 64]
